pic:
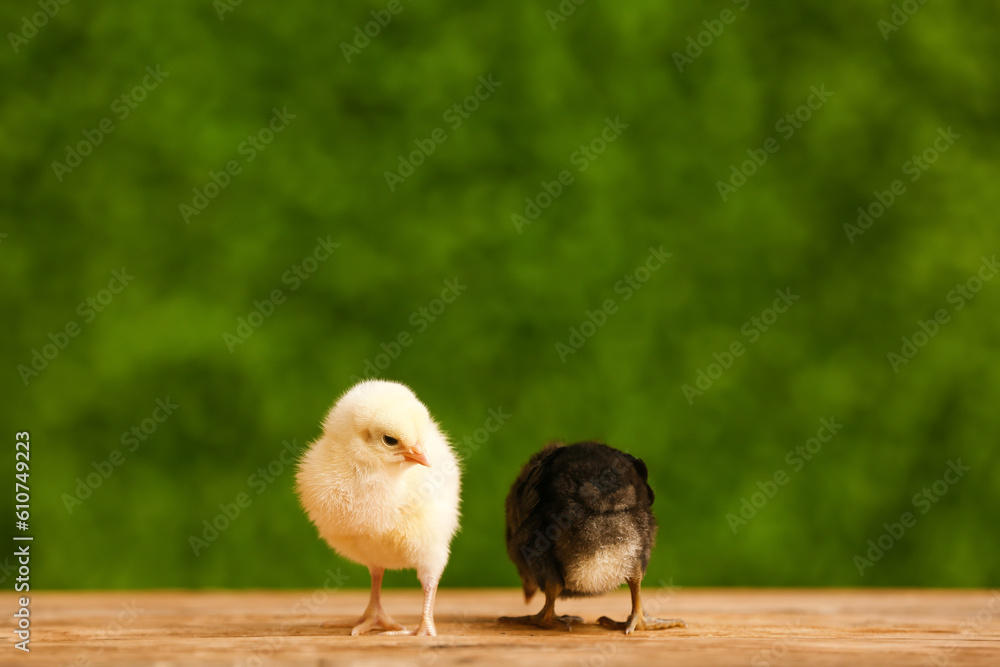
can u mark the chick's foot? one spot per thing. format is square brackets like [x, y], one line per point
[376, 619]
[426, 627]
[543, 620]
[641, 621]
[424, 630]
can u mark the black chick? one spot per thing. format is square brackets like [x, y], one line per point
[579, 522]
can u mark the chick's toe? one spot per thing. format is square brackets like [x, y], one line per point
[641, 622]
[375, 620]
[422, 631]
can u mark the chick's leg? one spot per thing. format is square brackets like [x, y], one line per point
[375, 616]
[546, 618]
[639, 619]
[426, 627]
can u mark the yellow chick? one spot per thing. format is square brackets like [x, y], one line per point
[382, 487]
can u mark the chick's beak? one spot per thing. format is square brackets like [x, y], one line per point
[417, 455]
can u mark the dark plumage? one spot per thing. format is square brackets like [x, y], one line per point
[580, 522]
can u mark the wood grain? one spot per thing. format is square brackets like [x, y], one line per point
[724, 627]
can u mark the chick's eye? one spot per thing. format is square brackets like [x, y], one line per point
[389, 440]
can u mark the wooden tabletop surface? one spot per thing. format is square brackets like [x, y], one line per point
[756, 627]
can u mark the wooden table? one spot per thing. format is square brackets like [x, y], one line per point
[724, 627]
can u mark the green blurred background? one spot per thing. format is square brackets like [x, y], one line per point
[495, 347]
